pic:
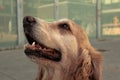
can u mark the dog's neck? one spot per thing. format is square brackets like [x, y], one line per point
[47, 73]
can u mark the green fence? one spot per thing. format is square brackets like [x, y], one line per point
[83, 12]
[110, 18]
[8, 23]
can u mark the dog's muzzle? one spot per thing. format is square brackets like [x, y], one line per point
[35, 47]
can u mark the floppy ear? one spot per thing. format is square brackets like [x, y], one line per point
[96, 66]
[88, 66]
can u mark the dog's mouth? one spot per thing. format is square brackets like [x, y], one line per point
[39, 50]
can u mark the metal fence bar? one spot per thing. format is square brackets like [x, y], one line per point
[56, 9]
[19, 22]
[98, 19]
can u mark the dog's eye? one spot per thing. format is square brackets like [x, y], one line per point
[64, 26]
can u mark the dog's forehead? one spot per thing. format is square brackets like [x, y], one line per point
[62, 20]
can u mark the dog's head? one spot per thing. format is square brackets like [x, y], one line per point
[61, 44]
[52, 41]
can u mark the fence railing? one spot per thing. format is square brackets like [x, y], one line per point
[99, 18]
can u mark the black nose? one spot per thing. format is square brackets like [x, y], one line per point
[29, 20]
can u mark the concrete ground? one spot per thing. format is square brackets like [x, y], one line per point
[14, 65]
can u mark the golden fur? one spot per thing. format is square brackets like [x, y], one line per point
[79, 61]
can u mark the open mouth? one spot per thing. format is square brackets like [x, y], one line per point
[34, 48]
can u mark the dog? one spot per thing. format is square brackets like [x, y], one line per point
[61, 49]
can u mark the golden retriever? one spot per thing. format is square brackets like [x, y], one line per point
[61, 49]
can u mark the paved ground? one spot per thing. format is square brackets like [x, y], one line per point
[15, 66]
[111, 54]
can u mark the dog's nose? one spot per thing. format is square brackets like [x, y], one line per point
[29, 20]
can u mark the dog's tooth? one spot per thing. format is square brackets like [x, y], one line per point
[33, 43]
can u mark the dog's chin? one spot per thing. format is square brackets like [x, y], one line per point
[39, 51]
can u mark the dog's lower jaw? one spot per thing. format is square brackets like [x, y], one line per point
[47, 73]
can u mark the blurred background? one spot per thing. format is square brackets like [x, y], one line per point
[99, 18]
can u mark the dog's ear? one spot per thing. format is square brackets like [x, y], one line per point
[88, 66]
[96, 59]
